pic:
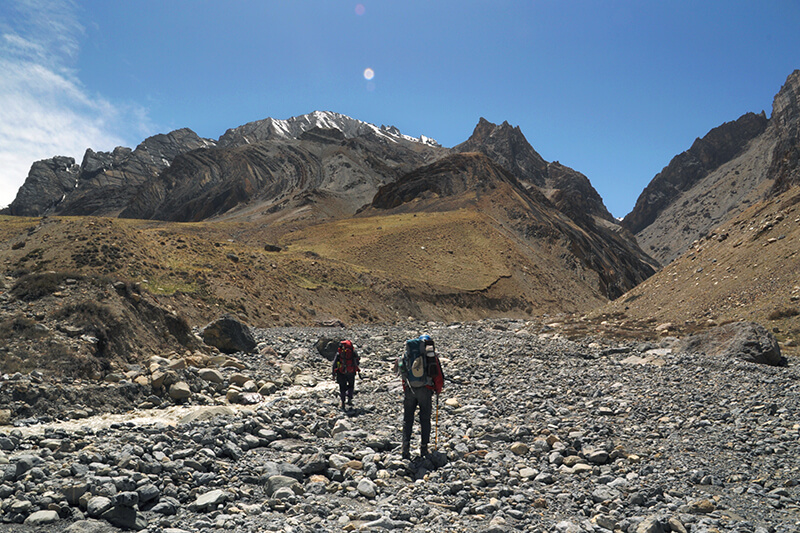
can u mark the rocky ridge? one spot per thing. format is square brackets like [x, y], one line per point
[732, 167]
[104, 182]
[538, 433]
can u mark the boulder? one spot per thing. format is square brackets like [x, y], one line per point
[229, 335]
[743, 340]
[125, 517]
[40, 518]
[180, 391]
[276, 482]
[209, 500]
[327, 347]
[98, 505]
[91, 526]
[211, 375]
[367, 488]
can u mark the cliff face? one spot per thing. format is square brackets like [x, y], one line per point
[786, 120]
[320, 172]
[48, 183]
[509, 148]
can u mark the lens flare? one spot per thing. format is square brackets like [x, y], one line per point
[369, 74]
[360, 9]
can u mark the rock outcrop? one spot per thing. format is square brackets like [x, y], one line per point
[508, 147]
[48, 183]
[104, 183]
[569, 190]
[323, 172]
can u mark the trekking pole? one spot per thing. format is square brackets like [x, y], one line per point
[436, 438]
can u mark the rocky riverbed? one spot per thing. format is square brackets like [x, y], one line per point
[534, 432]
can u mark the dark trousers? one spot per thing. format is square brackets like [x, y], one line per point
[347, 384]
[422, 397]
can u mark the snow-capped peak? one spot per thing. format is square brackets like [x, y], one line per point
[293, 127]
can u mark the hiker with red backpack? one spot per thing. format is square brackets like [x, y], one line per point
[422, 375]
[345, 368]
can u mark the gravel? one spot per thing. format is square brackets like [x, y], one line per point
[533, 432]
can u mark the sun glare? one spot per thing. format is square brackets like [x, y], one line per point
[369, 74]
[360, 9]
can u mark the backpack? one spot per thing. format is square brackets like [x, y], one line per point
[419, 362]
[348, 360]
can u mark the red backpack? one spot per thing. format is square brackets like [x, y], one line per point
[348, 360]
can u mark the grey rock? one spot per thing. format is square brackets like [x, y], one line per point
[211, 375]
[651, 524]
[327, 347]
[25, 463]
[367, 488]
[125, 517]
[279, 481]
[90, 526]
[180, 391]
[148, 493]
[125, 499]
[98, 505]
[209, 500]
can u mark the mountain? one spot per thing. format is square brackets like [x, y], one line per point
[505, 231]
[568, 189]
[321, 173]
[336, 154]
[571, 193]
[293, 128]
[732, 167]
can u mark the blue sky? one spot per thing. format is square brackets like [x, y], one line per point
[613, 89]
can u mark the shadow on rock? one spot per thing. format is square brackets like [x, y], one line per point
[428, 463]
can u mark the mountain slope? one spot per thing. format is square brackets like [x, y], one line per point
[735, 165]
[474, 181]
[746, 269]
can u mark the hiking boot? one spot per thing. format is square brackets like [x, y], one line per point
[406, 451]
[350, 402]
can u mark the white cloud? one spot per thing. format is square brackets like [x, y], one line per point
[45, 110]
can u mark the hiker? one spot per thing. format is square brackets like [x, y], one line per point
[345, 368]
[422, 375]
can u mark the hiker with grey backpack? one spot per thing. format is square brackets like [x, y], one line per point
[422, 376]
